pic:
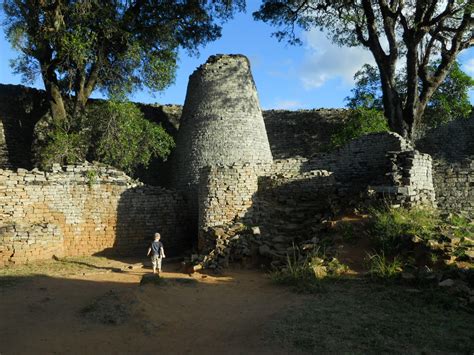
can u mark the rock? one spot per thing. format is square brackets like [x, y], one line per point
[256, 230]
[279, 239]
[264, 250]
[218, 232]
[197, 267]
[308, 246]
[446, 283]
[320, 271]
[470, 253]
[408, 276]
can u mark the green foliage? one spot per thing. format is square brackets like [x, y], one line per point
[298, 274]
[409, 36]
[382, 267]
[91, 176]
[449, 102]
[361, 121]
[130, 43]
[367, 91]
[113, 132]
[391, 228]
[63, 147]
[304, 272]
[124, 138]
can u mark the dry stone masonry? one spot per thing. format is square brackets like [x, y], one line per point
[230, 192]
[452, 149]
[221, 123]
[83, 210]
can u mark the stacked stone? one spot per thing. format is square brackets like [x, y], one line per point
[452, 148]
[289, 167]
[227, 193]
[82, 210]
[302, 132]
[362, 161]
[454, 186]
[410, 181]
[221, 122]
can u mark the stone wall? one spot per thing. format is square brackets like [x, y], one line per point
[362, 161]
[227, 192]
[410, 181]
[302, 132]
[452, 149]
[20, 109]
[84, 210]
[221, 123]
[287, 200]
[454, 186]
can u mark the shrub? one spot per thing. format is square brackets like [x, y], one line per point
[390, 228]
[298, 274]
[382, 267]
[305, 272]
[63, 147]
[360, 122]
[113, 132]
[125, 139]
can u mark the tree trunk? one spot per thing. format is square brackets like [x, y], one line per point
[53, 95]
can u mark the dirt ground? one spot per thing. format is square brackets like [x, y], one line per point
[106, 311]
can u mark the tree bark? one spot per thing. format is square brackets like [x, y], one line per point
[53, 94]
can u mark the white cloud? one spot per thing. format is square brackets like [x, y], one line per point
[287, 104]
[325, 61]
[468, 66]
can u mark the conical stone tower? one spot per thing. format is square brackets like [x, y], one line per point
[222, 122]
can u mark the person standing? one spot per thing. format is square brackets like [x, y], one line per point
[157, 253]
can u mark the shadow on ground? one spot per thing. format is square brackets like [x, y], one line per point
[96, 310]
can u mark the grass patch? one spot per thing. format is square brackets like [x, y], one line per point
[382, 267]
[11, 275]
[303, 273]
[360, 316]
[392, 228]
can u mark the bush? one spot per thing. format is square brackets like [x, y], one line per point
[63, 147]
[113, 132]
[125, 139]
[298, 274]
[390, 228]
[304, 272]
[382, 267]
[360, 122]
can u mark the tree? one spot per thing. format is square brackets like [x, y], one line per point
[360, 121]
[428, 34]
[114, 132]
[450, 101]
[77, 46]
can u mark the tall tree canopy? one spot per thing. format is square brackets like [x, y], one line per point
[426, 36]
[77, 46]
[450, 101]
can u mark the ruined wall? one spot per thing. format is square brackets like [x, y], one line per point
[361, 161]
[83, 210]
[287, 199]
[410, 181]
[452, 149]
[20, 109]
[302, 132]
[454, 185]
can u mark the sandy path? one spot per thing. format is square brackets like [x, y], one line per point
[219, 315]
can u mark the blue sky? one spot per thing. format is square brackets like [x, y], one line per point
[316, 74]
